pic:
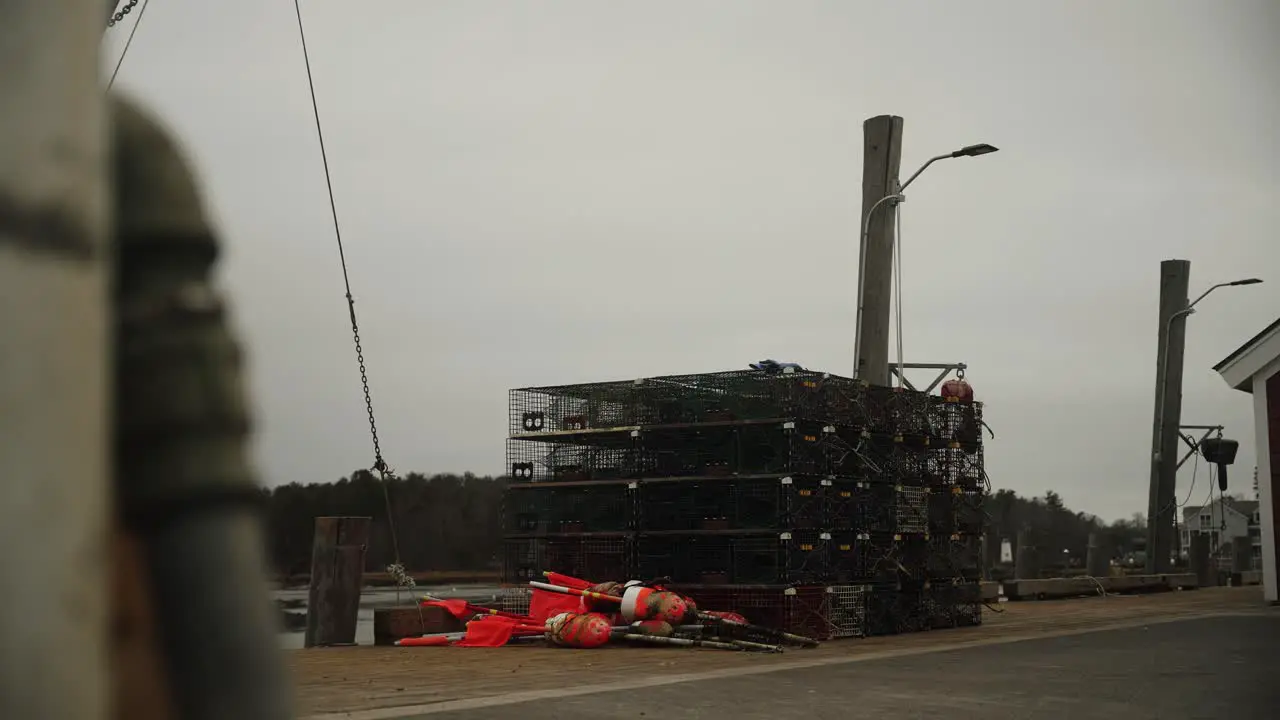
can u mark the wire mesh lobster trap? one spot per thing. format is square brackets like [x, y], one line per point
[764, 502]
[541, 462]
[795, 609]
[845, 611]
[960, 467]
[551, 508]
[957, 510]
[952, 604]
[687, 399]
[734, 559]
[861, 506]
[911, 510]
[955, 558]
[958, 422]
[526, 558]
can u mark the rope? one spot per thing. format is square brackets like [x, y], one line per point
[128, 41]
[385, 473]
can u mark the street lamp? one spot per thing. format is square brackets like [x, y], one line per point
[896, 197]
[1164, 367]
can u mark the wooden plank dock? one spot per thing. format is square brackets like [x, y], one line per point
[333, 681]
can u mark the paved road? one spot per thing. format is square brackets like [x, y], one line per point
[1224, 668]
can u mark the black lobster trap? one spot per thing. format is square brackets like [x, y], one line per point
[767, 502]
[597, 557]
[606, 506]
[715, 558]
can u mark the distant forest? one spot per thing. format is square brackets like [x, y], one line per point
[453, 522]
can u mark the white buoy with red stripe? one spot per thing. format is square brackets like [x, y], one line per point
[644, 603]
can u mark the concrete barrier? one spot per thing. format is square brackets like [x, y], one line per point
[1075, 587]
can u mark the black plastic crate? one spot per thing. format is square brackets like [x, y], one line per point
[737, 503]
[795, 609]
[594, 558]
[551, 509]
[800, 556]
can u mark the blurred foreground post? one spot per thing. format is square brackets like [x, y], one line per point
[337, 575]
[54, 399]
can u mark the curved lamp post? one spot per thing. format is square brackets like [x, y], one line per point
[895, 197]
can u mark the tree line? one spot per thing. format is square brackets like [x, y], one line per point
[454, 522]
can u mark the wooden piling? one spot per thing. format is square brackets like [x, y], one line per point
[1198, 559]
[1026, 557]
[337, 571]
[1098, 562]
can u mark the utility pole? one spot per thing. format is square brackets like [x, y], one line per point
[1175, 277]
[54, 436]
[882, 156]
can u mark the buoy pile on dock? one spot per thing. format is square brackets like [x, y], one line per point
[570, 612]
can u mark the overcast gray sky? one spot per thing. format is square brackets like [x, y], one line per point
[575, 190]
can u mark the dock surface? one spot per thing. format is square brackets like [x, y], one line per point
[380, 683]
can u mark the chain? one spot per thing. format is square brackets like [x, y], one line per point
[378, 463]
[119, 15]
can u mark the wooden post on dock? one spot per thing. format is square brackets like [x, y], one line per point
[337, 574]
[1241, 559]
[1198, 558]
[1098, 561]
[1026, 557]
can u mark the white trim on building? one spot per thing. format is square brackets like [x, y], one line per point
[1248, 369]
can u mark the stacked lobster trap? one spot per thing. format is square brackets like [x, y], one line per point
[815, 502]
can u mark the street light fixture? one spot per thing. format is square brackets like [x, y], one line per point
[1164, 368]
[893, 198]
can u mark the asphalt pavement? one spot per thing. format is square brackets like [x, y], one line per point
[1218, 668]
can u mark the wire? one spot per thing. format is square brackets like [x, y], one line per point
[897, 284]
[128, 41]
[384, 472]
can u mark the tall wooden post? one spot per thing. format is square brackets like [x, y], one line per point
[1026, 557]
[1098, 561]
[337, 575]
[54, 351]
[1198, 558]
[882, 156]
[1175, 276]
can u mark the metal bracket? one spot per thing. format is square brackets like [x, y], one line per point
[945, 368]
[1193, 445]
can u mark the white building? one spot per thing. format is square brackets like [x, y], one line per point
[1224, 520]
[1255, 368]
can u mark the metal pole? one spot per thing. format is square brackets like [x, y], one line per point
[1161, 510]
[54, 349]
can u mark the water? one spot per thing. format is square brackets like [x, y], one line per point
[374, 598]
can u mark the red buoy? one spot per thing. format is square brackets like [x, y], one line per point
[956, 390]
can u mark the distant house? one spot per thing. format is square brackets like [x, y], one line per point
[1223, 521]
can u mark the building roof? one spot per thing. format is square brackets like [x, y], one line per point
[1238, 368]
